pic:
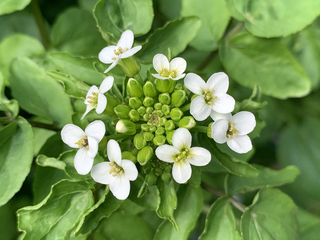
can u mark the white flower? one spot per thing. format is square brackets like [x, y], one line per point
[117, 173]
[87, 141]
[212, 95]
[233, 130]
[173, 70]
[181, 155]
[95, 97]
[112, 54]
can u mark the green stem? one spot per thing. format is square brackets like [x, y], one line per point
[234, 30]
[138, 78]
[202, 129]
[53, 127]
[41, 25]
[185, 108]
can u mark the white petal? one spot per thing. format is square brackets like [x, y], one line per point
[199, 156]
[244, 122]
[219, 130]
[199, 109]
[159, 77]
[130, 169]
[102, 103]
[179, 77]
[160, 62]
[167, 153]
[114, 151]
[96, 129]
[181, 172]
[106, 84]
[93, 147]
[93, 89]
[107, 54]
[100, 173]
[89, 108]
[131, 52]
[83, 162]
[195, 83]
[224, 103]
[219, 82]
[216, 116]
[126, 40]
[120, 187]
[70, 134]
[179, 65]
[240, 144]
[113, 64]
[181, 139]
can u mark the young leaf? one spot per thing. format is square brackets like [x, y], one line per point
[267, 63]
[271, 216]
[58, 212]
[220, 222]
[16, 154]
[189, 208]
[175, 35]
[6, 105]
[12, 5]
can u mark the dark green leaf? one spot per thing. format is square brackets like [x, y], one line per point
[309, 225]
[9, 6]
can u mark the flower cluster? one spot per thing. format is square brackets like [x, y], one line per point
[154, 115]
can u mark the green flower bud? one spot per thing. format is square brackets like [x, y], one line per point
[149, 89]
[169, 125]
[159, 113]
[165, 176]
[146, 168]
[158, 171]
[151, 179]
[148, 101]
[160, 131]
[134, 115]
[176, 114]
[158, 106]
[141, 110]
[159, 140]
[152, 128]
[187, 122]
[162, 121]
[146, 117]
[164, 98]
[144, 155]
[134, 88]
[149, 110]
[139, 141]
[166, 109]
[165, 85]
[126, 127]
[130, 66]
[178, 98]
[169, 135]
[129, 156]
[179, 86]
[135, 102]
[148, 136]
[168, 168]
[209, 130]
[145, 127]
[122, 111]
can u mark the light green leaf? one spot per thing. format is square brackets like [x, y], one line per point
[189, 208]
[16, 154]
[79, 36]
[58, 212]
[45, 161]
[214, 18]
[175, 35]
[309, 225]
[274, 18]
[114, 17]
[9, 6]
[267, 63]
[220, 222]
[11, 107]
[264, 220]
[37, 93]
[266, 178]
[87, 4]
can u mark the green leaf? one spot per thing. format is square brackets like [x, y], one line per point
[37, 93]
[214, 18]
[18, 45]
[45, 161]
[16, 154]
[6, 105]
[267, 63]
[58, 213]
[274, 18]
[79, 67]
[189, 208]
[309, 225]
[79, 36]
[175, 35]
[220, 222]
[41, 136]
[266, 178]
[168, 201]
[264, 220]
[9, 6]
[114, 17]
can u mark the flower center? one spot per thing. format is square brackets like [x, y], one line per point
[83, 142]
[119, 51]
[115, 169]
[183, 155]
[232, 132]
[93, 100]
[166, 73]
[155, 118]
[207, 94]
